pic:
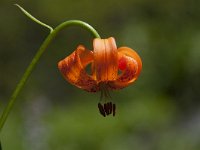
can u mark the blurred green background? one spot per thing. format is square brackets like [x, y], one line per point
[160, 111]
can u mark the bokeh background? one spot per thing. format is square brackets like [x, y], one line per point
[160, 111]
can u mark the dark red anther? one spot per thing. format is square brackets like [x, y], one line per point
[101, 109]
[106, 109]
[110, 107]
[114, 109]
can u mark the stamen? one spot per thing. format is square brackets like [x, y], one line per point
[110, 106]
[106, 109]
[104, 91]
[114, 109]
[101, 109]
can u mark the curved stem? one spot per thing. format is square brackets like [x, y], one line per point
[33, 18]
[36, 58]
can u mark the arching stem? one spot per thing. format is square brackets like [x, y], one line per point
[37, 56]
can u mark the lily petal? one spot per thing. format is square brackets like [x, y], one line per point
[130, 64]
[73, 69]
[105, 59]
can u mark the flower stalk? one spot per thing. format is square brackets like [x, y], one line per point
[36, 58]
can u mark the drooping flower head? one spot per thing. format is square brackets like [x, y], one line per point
[112, 68]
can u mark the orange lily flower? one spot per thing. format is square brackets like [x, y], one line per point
[112, 68]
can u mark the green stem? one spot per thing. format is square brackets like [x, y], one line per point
[35, 60]
[33, 18]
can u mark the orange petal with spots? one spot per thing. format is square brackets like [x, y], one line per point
[73, 69]
[105, 59]
[130, 65]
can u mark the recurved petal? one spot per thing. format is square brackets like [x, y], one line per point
[105, 59]
[130, 65]
[73, 69]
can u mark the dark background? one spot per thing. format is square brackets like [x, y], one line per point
[160, 111]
